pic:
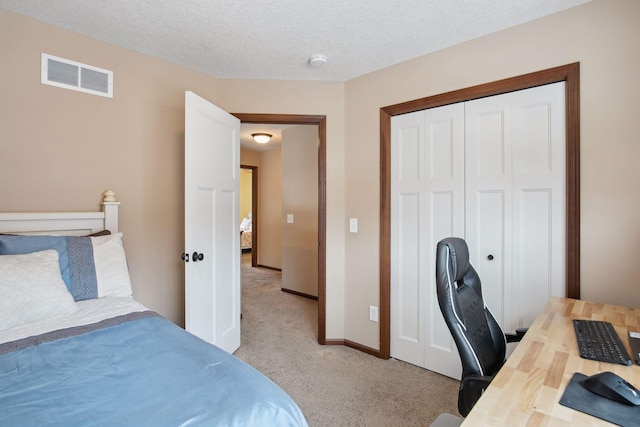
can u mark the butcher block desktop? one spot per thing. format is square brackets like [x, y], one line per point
[528, 388]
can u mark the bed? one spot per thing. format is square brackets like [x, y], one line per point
[77, 349]
[246, 227]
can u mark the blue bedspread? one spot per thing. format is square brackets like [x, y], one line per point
[144, 372]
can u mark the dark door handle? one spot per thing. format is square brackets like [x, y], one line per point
[490, 257]
[185, 257]
[197, 257]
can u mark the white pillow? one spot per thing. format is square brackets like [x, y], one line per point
[112, 272]
[32, 289]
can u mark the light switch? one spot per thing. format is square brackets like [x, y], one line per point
[289, 218]
[353, 225]
[373, 313]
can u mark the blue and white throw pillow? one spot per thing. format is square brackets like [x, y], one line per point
[91, 267]
[31, 289]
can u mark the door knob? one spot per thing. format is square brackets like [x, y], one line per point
[185, 257]
[490, 257]
[197, 257]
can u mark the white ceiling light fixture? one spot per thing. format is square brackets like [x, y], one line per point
[261, 138]
[317, 61]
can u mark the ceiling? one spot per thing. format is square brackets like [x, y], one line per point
[274, 39]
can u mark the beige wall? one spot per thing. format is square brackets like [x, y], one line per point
[603, 36]
[59, 149]
[269, 191]
[270, 208]
[249, 157]
[300, 199]
[245, 193]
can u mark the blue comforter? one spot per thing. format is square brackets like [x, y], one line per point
[142, 372]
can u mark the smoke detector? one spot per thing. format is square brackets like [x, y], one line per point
[317, 61]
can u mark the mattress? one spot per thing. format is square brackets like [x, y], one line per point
[114, 362]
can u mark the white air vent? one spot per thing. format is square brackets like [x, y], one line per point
[76, 76]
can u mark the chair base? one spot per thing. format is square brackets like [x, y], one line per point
[446, 420]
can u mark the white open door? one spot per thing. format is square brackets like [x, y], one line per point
[212, 230]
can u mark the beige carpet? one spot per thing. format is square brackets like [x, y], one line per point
[333, 385]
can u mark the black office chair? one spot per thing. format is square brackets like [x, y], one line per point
[480, 340]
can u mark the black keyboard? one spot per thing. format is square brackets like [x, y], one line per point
[598, 340]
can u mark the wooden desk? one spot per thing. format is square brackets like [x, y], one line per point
[527, 389]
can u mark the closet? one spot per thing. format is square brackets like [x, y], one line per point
[491, 171]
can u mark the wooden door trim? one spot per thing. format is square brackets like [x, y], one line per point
[321, 122]
[570, 74]
[255, 214]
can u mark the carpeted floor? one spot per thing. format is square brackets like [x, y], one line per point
[333, 385]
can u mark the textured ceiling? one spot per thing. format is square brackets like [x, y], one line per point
[262, 39]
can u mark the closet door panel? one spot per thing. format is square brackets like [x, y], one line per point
[532, 265]
[442, 149]
[427, 204]
[533, 153]
[409, 154]
[444, 196]
[489, 138]
[408, 271]
[539, 214]
[409, 268]
[491, 259]
[445, 184]
[441, 354]
[489, 198]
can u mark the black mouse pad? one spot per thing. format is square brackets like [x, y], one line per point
[577, 397]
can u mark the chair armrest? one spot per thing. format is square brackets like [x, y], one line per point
[517, 336]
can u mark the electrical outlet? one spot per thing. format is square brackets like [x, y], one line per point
[289, 218]
[373, 313]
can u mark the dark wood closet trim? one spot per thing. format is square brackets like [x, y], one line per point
[570, 74]
[321, 122]
[254, 213]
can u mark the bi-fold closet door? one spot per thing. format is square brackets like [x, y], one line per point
[491, 171]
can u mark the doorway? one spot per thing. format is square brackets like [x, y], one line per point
[320, 121]
[249, 231]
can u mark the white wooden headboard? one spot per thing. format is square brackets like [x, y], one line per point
[64, 223]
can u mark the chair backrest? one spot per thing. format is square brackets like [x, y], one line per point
[480, 340]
